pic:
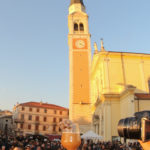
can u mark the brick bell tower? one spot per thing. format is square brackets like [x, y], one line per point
[80, 64]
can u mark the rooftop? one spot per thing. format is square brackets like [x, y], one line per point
[143, 96]
[42, 105]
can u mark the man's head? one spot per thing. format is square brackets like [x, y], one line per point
[38, 148]
[3, 147]
[28, 147]
[18, 148]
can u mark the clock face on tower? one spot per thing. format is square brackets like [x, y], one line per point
[79, 44]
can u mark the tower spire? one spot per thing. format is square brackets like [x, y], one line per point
[76, 1]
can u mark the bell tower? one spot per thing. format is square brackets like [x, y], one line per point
[79, 65]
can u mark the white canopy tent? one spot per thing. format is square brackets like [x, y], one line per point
[91, 135]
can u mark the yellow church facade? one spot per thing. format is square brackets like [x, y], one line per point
[106, 87]
[112, 71]
[117, 81]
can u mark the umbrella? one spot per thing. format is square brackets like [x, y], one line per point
[91, 135]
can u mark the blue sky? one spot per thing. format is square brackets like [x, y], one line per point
[34, 63]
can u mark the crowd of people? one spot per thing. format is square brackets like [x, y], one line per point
[116, 145]
[43, 143]
[28, 143]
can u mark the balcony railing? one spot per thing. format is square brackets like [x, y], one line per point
[54, 132]
[37, 122]
[19, 120]
[54, 123]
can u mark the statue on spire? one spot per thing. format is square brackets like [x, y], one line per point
[95, 48]
[102, 45]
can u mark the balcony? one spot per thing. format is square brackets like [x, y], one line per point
[54, 132]
[19, 120]
[36, 132]
[54, 123]
[36, 122]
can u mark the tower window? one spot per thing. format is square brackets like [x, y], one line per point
[54, 120]
[75, 27]
[59, 130]
[37, 118]
[81, 27]
[44, 128]
[44, 119]
[22, 116]
[30, 109]
[55, 111]
[21, 125]
[36, 127]
[54, 128]
[60, 119]
[23, 108]
[29, 127]
[30, 117]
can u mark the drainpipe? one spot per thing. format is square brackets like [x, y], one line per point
[138, 105]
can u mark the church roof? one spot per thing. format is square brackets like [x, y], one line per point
[76, 1]
[123, 52]
[143, 96]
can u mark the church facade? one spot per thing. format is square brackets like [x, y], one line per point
[120, 84]
[108, 87]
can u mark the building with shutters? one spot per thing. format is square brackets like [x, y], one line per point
[38, 118]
